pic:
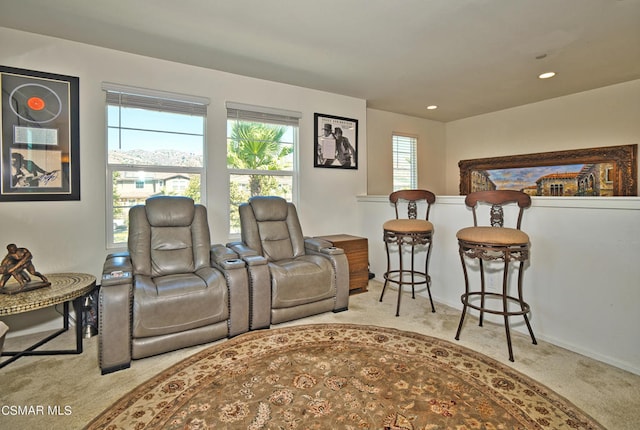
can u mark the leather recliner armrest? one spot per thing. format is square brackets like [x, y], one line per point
[220, 253]
[340, 264]
[114, 315]
[321, 246]
[259, 285]
[241, 249]
[233, 267]
[117, 269]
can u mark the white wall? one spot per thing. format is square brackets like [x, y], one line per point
[606, 116]
[70, 236]
[581, 282]
[431, 147]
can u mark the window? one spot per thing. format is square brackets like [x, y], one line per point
[608, 174]
[557, 189]
[405, 169]
[261, 155]
[155, 146]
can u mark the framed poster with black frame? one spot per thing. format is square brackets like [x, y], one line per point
[336, 142]
[39, 154]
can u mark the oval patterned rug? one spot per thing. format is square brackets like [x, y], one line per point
[331, 376]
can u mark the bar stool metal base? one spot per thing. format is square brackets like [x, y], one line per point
[507, 254]
[397, 276]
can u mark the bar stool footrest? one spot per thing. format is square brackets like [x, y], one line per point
[466, 300]
[395, 276]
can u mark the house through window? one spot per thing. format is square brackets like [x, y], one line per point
[261, 155]
[155, 146]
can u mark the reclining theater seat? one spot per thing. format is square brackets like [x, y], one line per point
[3, 331]
[166, 293]
[301, 277]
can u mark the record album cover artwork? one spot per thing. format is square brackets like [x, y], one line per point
[39, 157]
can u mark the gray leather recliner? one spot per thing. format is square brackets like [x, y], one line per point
[172, 289]
[3, 331]
[290, 276]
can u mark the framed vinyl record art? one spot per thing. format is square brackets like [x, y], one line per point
[39, 144]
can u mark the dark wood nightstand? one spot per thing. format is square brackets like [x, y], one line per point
[357, 252]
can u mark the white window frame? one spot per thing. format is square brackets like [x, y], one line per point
[410, 150]
[268, 115]
[129, 96]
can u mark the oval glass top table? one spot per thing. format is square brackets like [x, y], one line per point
[64, 288]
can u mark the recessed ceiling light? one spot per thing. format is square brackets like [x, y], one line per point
[432, 107]
[547, 75]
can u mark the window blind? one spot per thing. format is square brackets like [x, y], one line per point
[405, 173]
[251, 113]
[127, 96]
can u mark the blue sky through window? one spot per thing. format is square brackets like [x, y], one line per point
[131, 129]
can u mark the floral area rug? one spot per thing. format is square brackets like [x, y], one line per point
[341, 376]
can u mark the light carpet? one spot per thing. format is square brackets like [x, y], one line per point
[331, 376]
[73, 384]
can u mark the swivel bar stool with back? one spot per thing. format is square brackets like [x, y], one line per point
[413, 232]
[495, 243]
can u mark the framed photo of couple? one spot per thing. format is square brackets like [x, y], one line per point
[336, 142]
[39, 140]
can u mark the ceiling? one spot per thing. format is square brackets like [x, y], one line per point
[469, 57]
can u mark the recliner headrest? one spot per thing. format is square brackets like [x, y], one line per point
[170, 211]
[269, 208]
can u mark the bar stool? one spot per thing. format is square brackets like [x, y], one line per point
[495, 243]
[413, 232]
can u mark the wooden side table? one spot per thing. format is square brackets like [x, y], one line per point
[65, 288]
[357, 252]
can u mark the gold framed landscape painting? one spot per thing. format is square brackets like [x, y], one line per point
[592, 172]
[39, 137]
